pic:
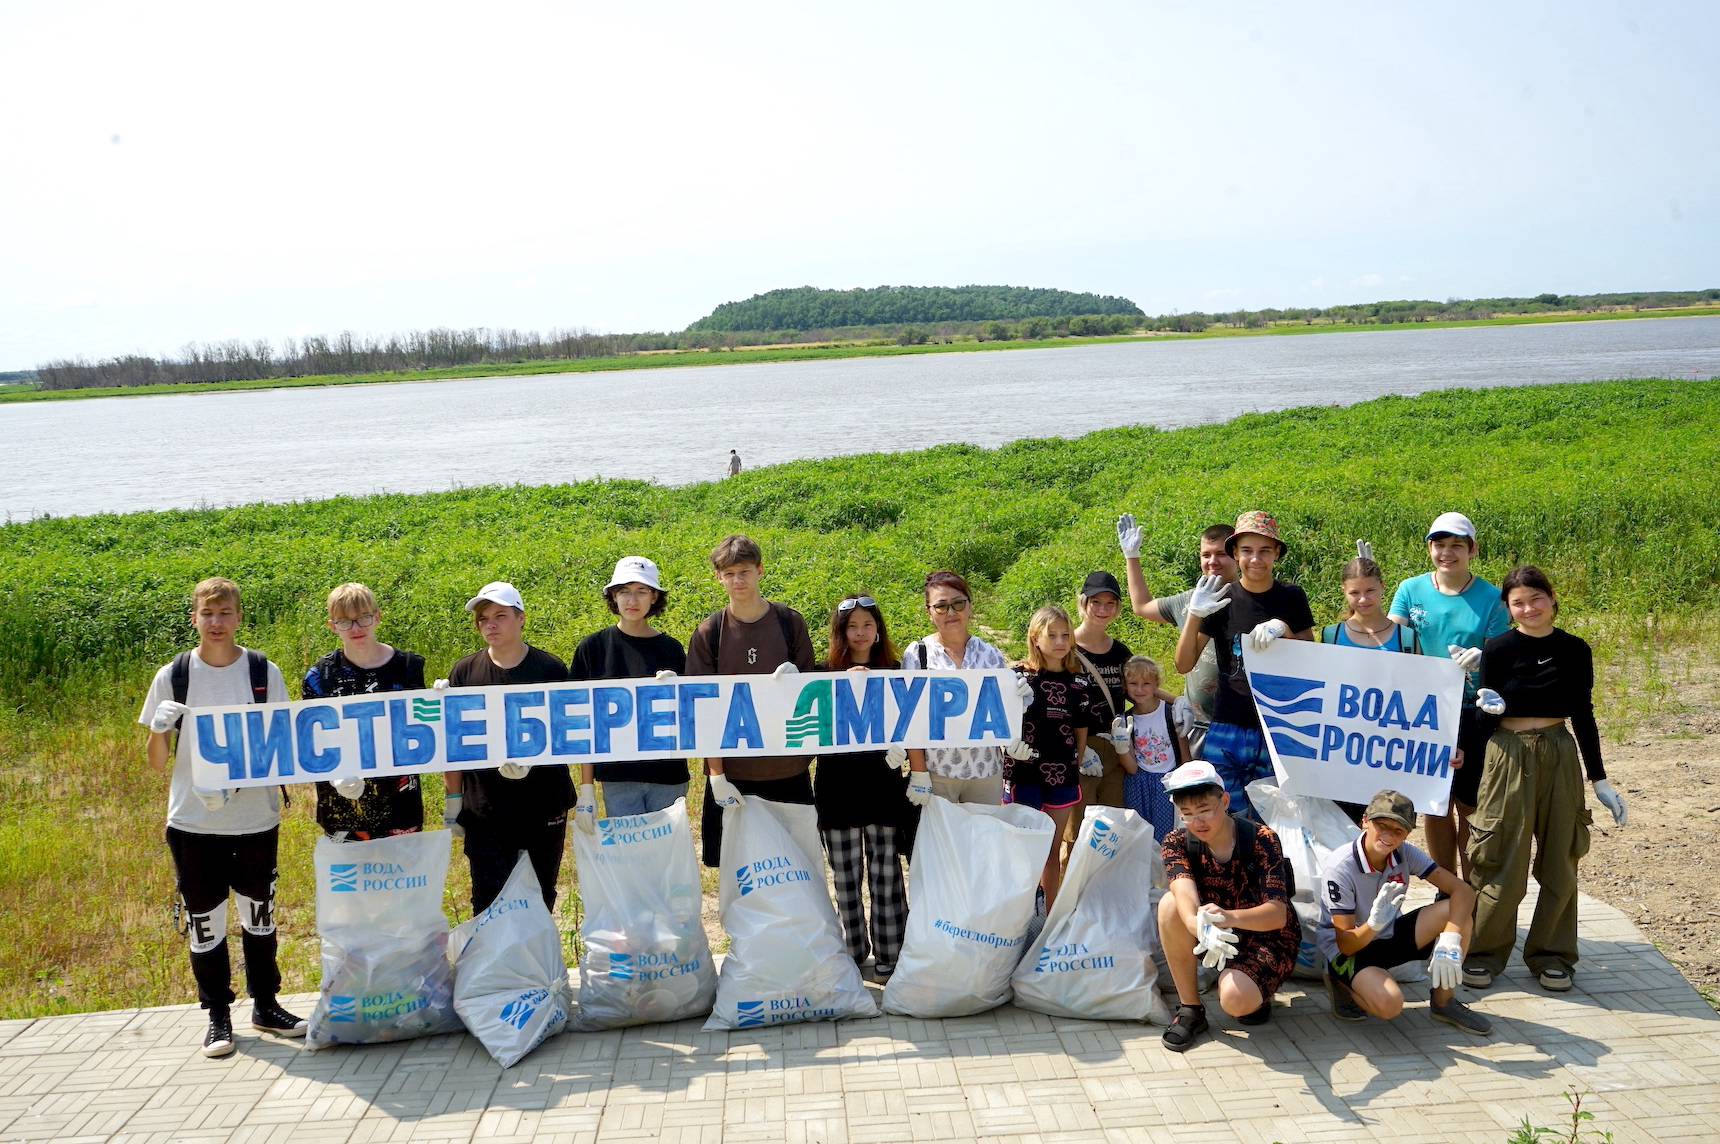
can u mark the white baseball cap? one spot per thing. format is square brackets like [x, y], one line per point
[1191, 775]
[635, 570]
[1453, 524]
[497, 592]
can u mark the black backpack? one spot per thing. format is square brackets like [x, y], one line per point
[179, 679]
[714, 633]
[1246, 836]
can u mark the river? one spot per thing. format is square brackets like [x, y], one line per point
[677, 425]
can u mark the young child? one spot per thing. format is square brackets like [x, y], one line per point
[1229, 904]
[504, 810]
[1154, 748]
[356, 809]
[1064, 708]
[1373, 874]
[750, 635]
[221, 841]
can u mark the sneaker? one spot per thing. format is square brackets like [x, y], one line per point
[271, 1018]
[1460, 1016]
[218, 1042]
[883, 969]
[1260, 1016]
[1188, 1024]
[1555, 980]
[1477, 976]
[1344, 1006]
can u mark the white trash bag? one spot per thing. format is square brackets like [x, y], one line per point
[1310, 829]
[385, 972]
[1094, 959]
[646, 957]
[970, 893]
[510, 979]
[786, 961]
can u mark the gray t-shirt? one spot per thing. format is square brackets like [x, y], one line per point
[1201, 684]
[1349, 886]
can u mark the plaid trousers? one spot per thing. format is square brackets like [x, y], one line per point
[877, 846]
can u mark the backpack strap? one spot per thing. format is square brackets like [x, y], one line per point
[1098, 682]
[179, 676]
[1409, 640]
[714, 637]
[259, 665]
[918, 646]
[1329, 633]
[787, 625]
[1172, 733]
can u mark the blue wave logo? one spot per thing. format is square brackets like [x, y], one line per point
[1104, 839]
[517, 1013]
[343, 879]
[749, 1014]
[1290, 708]
[621, 966]
[1044, 960]
[744, 880]
[342, 1008]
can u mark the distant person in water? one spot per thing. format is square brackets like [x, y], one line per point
[734, 463]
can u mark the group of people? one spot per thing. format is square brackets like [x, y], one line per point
[1098, 727]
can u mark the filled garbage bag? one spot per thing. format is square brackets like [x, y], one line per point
[510, 979]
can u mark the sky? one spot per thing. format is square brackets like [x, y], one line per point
[197, 172]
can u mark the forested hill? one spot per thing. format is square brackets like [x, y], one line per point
[809, 308]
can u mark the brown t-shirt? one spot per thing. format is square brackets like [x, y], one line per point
[757, 648]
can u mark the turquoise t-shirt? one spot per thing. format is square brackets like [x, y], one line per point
[1468, 619]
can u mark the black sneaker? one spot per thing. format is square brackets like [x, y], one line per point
[271, 1018]
[218, 1042]
[1344, 1006]
[1555, 980]
[883, 969]
[1188, 1024]
[1460, 1016]
[1260, 1016]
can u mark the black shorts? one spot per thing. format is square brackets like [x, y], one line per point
[1384, 953]
[1466, 780]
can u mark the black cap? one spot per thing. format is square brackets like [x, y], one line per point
[1097, 582]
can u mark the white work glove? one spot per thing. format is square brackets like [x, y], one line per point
[1025, 690]
[1122, 735]
[785, 669]
[513, 770]
[896, 758]
[919, 787]
[1182, 714]
[212, 800]
[724, 793]
[1612, 800]
[1445, 971]
[167, 715]
[1468, 658]
[349, 787]
[1215, 942]
[585, 809]
[451, 805]
[1364, 550]
[1264, 634]
[1386, 905]
[1091, 766]
[1129, 536]
[1490, 701]
[1021, 752]
[1208, 596]
[664, 674]
[439, 685]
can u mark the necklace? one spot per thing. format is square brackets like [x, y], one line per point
[1374, 632]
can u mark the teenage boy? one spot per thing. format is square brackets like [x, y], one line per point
[1455, 613]
[1229, 905]
[504, 810]
[1200, 686]
[749, 635]
[1103, 657]
[1372, 874]
[1258, 609]
[221, 841]
[357, 809]
[630, 649]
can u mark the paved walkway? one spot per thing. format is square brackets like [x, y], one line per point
[1633, 1034]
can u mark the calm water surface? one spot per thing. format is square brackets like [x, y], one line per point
[677, 425]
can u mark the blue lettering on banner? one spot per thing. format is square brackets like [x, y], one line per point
[989, 718]
[363, 716]
[741, 728]
[949, 699]
[320, 760]
[231, 752]
[523, 736]
[611, 710]
[459, 728]
[656, 728]
[271, 747]
[564, 721]
[412, 744]
[907, 694]
[686, 696]
[861, 722]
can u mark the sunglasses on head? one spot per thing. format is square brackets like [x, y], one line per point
[850, 604]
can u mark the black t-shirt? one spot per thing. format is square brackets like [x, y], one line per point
[1109, 665]
[544, 795]
[392, 805]
[613, 654]
[1546, 677]
[860, 789]
[1228, 627]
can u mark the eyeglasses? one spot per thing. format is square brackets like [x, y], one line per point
[1201, 815]
[365, 621]
[944, 607]
[847, 606]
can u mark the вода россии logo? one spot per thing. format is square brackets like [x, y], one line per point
[749, 1014]
[1104, 839]
[343, 878]
[744, 880]
[813, 717]
[1279, 697]
[621, 966]
[342, 1008]
[519, 1011]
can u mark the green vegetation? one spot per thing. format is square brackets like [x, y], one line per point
[1609, 486]
[1576, 1132]
[809, 308]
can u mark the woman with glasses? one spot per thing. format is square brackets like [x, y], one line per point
[960, 774]
[355, 809]
[862, 803]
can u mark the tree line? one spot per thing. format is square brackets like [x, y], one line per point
[807, 307]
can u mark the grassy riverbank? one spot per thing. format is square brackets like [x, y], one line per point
[1610, 486]
[817, 352]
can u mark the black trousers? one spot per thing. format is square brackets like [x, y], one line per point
[493, 849]
[795, 788]
[208, 867]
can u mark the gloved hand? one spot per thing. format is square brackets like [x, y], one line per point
[919, 787]
[1122, 735]
[1021, 752]
[1364, 550]
[1612, 800]
[167, 716]
[1091, 766]
[785, 669]
[585, 808]
[212, 800]
[451, 805]
[1129, 536]
[1264, 634]
[1182, 714]
[513, 770]
[1208, 597]
[723, 792]
[664, 674]
[1468, 658]
[349, 787]
[1490, 701]
[896, 757]
[1215, 942]
[1386, 905]
[1025, 690]
[1445, 971]
[439, 685]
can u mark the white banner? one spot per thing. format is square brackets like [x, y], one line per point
[729, 716]
[1345, 723]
